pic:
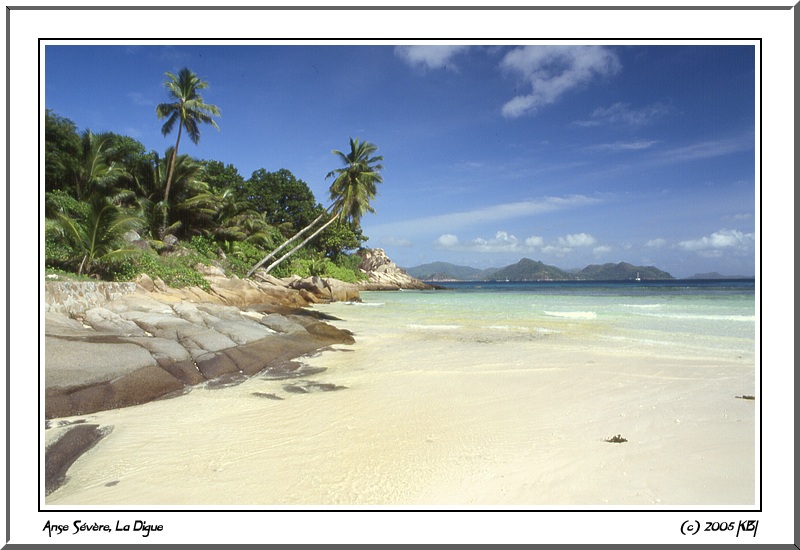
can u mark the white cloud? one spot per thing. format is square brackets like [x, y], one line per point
[429, 57]
[655, 243]
[707, 149]
[624, 145]
[578, 239]
[503, 241]
[534, 241]
[448, 223]
[499, 212]
[716, 243]
[448, 240]
[551, 71]
[601, 250]
[622, 113]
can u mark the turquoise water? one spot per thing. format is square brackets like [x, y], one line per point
[673, 318]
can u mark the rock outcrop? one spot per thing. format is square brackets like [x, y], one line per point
[112, 345]
[384, 274]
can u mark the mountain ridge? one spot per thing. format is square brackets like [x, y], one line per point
[527, 269]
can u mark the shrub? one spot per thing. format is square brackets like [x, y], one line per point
[175, 271]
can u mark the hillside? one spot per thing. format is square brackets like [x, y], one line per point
[443, 271]
[530, 270]
[622, 271]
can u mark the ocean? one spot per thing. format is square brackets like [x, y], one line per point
[676, 317]
[483, 394]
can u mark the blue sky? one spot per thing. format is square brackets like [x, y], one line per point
[571, 155]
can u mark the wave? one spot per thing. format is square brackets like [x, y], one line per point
[572, 314]
[642, 306]
[699, 317]
[366, 304]
[434, 327]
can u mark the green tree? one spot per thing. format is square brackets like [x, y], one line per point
[220, 176]
[188, 110]
[287, 202]
[62, 147]
[351, 194]
[181, 214]
[95, 234]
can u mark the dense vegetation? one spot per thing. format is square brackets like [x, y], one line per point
[114, 210]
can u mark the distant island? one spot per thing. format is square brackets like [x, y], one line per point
[532, 270]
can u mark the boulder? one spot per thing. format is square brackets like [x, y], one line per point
[384, 274]
[145, 282]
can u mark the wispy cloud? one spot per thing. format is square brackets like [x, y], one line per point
[499, 212]
[717, 243]
[707, 149]
[623, 113]
[430, 57]
[655, 243]
[551, 71]
[397, 241]
[637, 145]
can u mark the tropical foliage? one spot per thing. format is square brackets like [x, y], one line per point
[114, 210]
[351, 194]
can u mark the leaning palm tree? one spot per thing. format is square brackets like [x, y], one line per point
[351, 193]
[187, 110]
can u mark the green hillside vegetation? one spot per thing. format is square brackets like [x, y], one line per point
[114, 210]
[530, 270]
[443, 271]
[621, 272]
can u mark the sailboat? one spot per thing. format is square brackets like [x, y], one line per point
[637, 276]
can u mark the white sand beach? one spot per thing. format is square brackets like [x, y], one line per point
[430, 418]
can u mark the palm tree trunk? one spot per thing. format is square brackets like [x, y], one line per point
[302, 244]
[163, 228]
[281, 247]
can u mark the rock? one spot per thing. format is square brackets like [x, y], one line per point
[262, 276]
[289, 369]
[384, 274]
[341, 291]
[330, 333]
[63, 452]
[103, 320]
[308, 386]
[111, 345]
[160, 285]
[211, 270]
[145, 282]
[279, 323]
[170, 241]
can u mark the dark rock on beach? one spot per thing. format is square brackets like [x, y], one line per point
[63, 452]
[309, 386]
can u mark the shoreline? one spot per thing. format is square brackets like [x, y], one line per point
[426, 419]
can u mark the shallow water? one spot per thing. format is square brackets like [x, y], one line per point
[478, 396]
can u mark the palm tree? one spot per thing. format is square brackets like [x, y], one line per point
[95, 172]
[187, 110]
[351, 192]
[96, 233]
